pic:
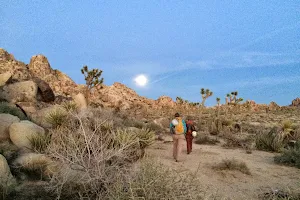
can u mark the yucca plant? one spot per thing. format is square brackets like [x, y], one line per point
[272, 141]
[69, 106]
[146, 137]
[56, 117]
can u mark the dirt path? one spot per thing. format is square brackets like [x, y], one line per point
[265, 174]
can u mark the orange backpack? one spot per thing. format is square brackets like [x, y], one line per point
[179, 129]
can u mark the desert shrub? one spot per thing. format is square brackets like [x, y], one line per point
[93, 159]
[226, 122]
[33, 170]
[232, 164]
[273, 140]
[280, 195]
[9, 109]
[232, 141]
[56, 117]
[133, 123]
[152, 180]
[40, 142]
[205, 139]
[290, 156]
[152, 126]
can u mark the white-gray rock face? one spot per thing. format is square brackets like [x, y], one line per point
[25, 91]
[21, 133]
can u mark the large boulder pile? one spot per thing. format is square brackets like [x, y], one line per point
[296, 102]
[17, 153]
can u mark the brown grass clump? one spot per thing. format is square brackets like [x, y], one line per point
[205, 139]
[40, 142]
[232, 164]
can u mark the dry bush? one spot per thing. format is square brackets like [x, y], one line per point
[290, 156]
[232, 141]
[232, 164]
[152, 180]
[205, 139]
[91, 159]
[280, 195]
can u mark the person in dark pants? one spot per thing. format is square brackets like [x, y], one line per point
[189, 137]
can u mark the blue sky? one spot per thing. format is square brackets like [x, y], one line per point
[181, 46]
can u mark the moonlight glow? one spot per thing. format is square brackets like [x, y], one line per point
[141, 80]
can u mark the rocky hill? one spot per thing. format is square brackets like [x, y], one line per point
[40, 76]
[38, 82]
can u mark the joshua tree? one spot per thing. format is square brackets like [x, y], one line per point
[229, 97]
[234, 95]
[179, 100]
[92, 79]
[205, 93]
[218, 101]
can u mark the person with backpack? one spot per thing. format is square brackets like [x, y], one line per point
[178, 130]
[189, 137]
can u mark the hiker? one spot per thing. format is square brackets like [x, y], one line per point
[178, 130]
[189, 137]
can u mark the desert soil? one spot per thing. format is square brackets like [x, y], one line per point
[265, 174]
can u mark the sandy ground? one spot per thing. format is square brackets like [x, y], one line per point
[265, 174]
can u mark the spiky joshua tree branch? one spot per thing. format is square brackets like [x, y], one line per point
[92, 79]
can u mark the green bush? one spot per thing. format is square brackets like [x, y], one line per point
[9, 109]
[290, 156]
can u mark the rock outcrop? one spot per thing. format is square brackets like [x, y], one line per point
[296, 102]
[20, 91]
[18, 69]
[273, 106]
[5, 78]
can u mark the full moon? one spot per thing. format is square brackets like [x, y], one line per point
[141, 80]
